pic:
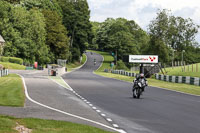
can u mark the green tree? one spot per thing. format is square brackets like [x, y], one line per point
[174, 32]
[57, 39]
[7, 30]
[123, 44]
[122, 37]
[42, 4]
[95, 27]
[13, 1]
[140, 36]
[158, 47]
[102, 38]
[24, 32]
[76, 16]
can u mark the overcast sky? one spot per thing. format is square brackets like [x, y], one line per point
[143, 11]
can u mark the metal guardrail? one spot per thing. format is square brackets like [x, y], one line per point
[3, 72]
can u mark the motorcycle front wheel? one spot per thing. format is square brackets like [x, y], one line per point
[136, 93]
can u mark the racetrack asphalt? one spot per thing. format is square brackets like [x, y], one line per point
[43, 90]
[158, 110]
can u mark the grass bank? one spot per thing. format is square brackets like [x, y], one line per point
[8, 65]
[190, 89]
[8, 124]
[189, 70]
[74, 65]
[11, 91]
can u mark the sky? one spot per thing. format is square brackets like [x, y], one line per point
[143, 11]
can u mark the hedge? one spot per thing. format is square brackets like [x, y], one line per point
[12, 60]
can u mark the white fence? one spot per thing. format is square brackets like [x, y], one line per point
[3, 72]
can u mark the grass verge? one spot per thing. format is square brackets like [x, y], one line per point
[59, 80]
[72, 66]
[8, 124]
[190, 70]
[190, 89]
[11, 91]
[13, 66]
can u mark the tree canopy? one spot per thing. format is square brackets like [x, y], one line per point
[173, 34]
[121, 36]
[47, 30]
[42, 30]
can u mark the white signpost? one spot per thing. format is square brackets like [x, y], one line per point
[143, 58]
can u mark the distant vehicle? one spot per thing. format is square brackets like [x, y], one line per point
[95, 62]
[138, 86]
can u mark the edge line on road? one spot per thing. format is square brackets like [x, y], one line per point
[60, 111]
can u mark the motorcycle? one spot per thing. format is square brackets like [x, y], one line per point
[138, 87]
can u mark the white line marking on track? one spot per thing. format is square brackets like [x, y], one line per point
[98, 111]
[115, 125]
[94, 107]
[60, 111]
[108, 119]
[103, 115]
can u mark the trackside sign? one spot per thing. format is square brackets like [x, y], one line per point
[143, 58]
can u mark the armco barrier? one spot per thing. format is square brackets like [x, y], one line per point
[179, 79]
[3, 72]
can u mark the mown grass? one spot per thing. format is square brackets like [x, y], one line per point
[59, 80]
[189, 70]
[11, 91]
[186, 88]
[8, 65]
[8, 124]
[74, 65]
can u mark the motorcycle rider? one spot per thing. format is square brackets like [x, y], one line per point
[138, 77]
[95, 62]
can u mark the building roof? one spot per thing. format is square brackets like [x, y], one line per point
[1, 39]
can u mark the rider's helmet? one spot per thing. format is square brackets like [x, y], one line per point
[141, 75]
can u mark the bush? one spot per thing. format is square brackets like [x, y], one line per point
[12, 60]
[4, 59]
[121, 65]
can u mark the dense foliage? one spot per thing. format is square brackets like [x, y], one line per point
[119, 36]
[173, 36]
[11, 60]
[168, 36]
[42, 30]
[76, 16]
[47, 30]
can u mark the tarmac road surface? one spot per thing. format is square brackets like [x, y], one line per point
[43, 90]
[158, 110]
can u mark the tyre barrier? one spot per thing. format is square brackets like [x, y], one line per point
[121, 72]
[179, 79]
